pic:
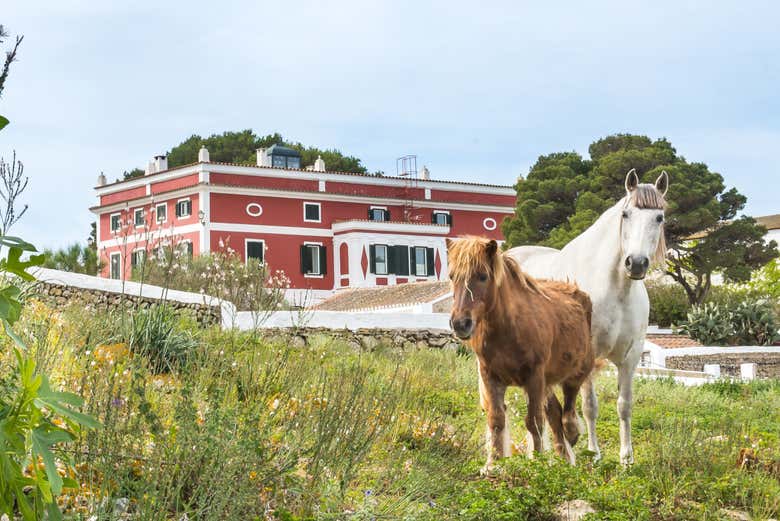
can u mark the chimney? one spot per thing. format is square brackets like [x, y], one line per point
[149, 168]
[101, 180]
[203, 154]
[425, 174]
[319, 164]
[262, 157]
[160, 163]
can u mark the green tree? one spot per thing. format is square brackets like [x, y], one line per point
[564, 194]
[241, 147]
[75, 258]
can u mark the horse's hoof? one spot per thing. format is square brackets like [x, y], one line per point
[572, 433]
[627, 458]
[487, 470]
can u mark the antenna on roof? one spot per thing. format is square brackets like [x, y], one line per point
[406, 167]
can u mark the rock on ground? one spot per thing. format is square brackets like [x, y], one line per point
[573, 510]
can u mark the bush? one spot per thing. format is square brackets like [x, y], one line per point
[710, 324]
[668, 303]
[747, 321]
[755, 322]
[154, 333]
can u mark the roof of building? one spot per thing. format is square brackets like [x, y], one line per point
[279, 150]
[772, 222]
[672, 341]
[399, 295]
[354, 174]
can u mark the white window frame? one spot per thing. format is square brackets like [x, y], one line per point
[177, 207]
[111, 220]
[135, 218]
[157, 213]
[446, 212]
[314, 265]
[246, 249]
[387, 260]
[378, 208]
[183, 250]
[111, 265]
[132, 255]
[319, 212]
[425, 261]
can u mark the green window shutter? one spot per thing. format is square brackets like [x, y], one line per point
[392, 261]
[412, 262]
[372, 259]
[449, 219]
[323, 261]
[429, 258]
[387, 215]
[401, 258]
[305, 260]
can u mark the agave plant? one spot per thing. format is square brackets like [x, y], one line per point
[755, 322]
[710, 324]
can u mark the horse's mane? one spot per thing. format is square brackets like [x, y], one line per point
[468, 255]
[647, 196]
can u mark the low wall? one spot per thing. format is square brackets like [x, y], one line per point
[368, 338]
[60, 288]
[245, 320]
[767, 362]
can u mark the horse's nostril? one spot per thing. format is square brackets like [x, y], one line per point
[628, 262]
[466, 323]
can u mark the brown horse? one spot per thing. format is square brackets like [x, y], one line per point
[525, 332]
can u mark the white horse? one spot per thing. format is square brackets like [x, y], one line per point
[608, 261]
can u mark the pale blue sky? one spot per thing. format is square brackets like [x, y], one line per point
[477, 92]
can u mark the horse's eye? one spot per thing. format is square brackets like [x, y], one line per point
[659, 218]
[482, 277]
[625, 214]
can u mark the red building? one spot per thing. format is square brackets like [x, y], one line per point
[325, 230]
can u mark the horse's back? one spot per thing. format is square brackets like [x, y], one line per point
[534, 260]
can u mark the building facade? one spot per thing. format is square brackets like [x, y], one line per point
[324, 230]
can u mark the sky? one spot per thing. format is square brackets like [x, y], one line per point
[477, 92]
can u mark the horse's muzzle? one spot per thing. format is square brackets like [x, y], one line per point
[636, 266]
[463, 327]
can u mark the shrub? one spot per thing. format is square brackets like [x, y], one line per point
[154, 333]
[749, 321]
[250, 286]
[668, 303]
[755, 322]
[709, 323]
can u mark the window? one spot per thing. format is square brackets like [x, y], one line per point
[137, 258]
[442, 218]
[294, 162]
[116, 265]
[255, 249]
[138, 217]
[279, 161]
[313, 260]
[378, 214]
[380, 261]
[421, 261]
[115, 222]
[311, 212]
[420, 266]
[161, 212]
[183, 208]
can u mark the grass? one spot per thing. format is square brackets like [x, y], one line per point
[244, 429]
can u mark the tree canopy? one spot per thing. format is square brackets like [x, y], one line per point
[564, 193]
[241, 147]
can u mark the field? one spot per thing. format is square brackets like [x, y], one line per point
[222, 425]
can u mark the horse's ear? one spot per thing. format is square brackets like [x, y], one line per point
[662, 183]
[491, 248]
[632, 180]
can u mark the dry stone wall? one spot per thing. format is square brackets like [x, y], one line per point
[368, 338]
[58, 296]
[767, 364]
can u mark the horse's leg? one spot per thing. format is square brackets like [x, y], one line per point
[554, 415]
[590, 410]
[625, 403]
[571, 423]
[534, 419]
[497, 438]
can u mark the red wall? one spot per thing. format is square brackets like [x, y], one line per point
[124, 195]
[173, 184]
[127, 248]
[308, 185]
[151, 220]
[282, 252]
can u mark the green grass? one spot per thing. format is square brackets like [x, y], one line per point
[250, 430]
